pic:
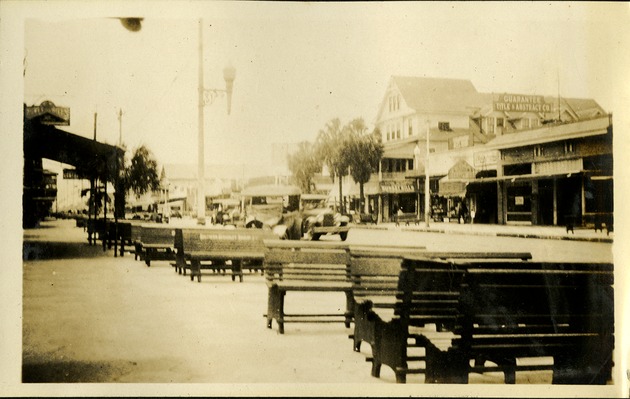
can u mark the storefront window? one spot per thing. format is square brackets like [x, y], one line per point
[519, 202]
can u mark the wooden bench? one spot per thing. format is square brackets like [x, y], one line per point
[120, 236]
[157, 242]
[97, 230]
[490, 315]
[218, 249]
[407, 218]
[366, 218]
[135, 231]
[306, 266]
[600, 222]
[374, 275]
[181, 264]
[560, 310]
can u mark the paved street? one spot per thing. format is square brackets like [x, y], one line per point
[91, 317]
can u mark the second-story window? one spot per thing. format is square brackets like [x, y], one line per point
[568, 147]
[525, 123]
[490, 125]
[499, 122]
[444, 126]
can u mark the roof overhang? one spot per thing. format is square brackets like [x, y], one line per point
[89, 157]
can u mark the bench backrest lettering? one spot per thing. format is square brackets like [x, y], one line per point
[157, 235]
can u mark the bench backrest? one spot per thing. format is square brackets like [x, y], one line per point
[304, 245]
[232, 240]
[537, 298]
[326, 266]
[499, 298]
[375, 270]
[136, 229]
[160, 235]
[429, 292]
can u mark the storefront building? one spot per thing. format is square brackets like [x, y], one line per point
[492, 158]
[557, 175]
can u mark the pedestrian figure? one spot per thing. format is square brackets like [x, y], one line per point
[463, 212]
[399, 216]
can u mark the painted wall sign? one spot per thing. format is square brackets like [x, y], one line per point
[522, 103]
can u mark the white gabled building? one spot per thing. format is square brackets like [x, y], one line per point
[462, 125]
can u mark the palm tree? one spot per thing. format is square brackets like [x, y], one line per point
[367, 152]
[331, 148]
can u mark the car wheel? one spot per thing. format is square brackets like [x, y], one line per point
[254, 224]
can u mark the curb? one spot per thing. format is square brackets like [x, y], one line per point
[608, 240]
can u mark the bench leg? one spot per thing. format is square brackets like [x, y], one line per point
[237, 270]
[571, 370]
[449, 367]
[376, 368]
[349, 314]
[195, 270]
[147, 257]
[275, 307]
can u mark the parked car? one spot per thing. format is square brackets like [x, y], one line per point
[319, 219]
[275, 207]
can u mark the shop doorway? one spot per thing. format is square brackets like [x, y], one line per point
[545, 202]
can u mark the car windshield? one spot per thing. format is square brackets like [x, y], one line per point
[314, 204]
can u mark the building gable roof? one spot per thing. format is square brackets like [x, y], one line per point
[436, 94]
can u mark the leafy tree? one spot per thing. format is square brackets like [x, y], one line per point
[367, 152]
[140, 176]
[331, 148]
[304, 164]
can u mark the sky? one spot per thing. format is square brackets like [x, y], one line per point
[299, 65]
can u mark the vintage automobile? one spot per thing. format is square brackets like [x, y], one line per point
[275, 207]
[319, 219]
[226, 210]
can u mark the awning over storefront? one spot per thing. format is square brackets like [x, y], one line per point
[452, 188]
[353, 189]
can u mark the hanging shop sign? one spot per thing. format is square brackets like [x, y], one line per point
[70, 174]
[521, 103]
[461, 170]
[398, 186]
[48, 113]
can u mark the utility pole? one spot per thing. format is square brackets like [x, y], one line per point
[117, 187]
[427, 189]
[201, 193]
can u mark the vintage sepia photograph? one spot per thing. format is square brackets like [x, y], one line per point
[226, 198]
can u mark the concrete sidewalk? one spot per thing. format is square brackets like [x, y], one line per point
[496, 230]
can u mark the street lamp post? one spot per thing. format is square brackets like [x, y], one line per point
[416, 156]
[229, 73]
[427, 189]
